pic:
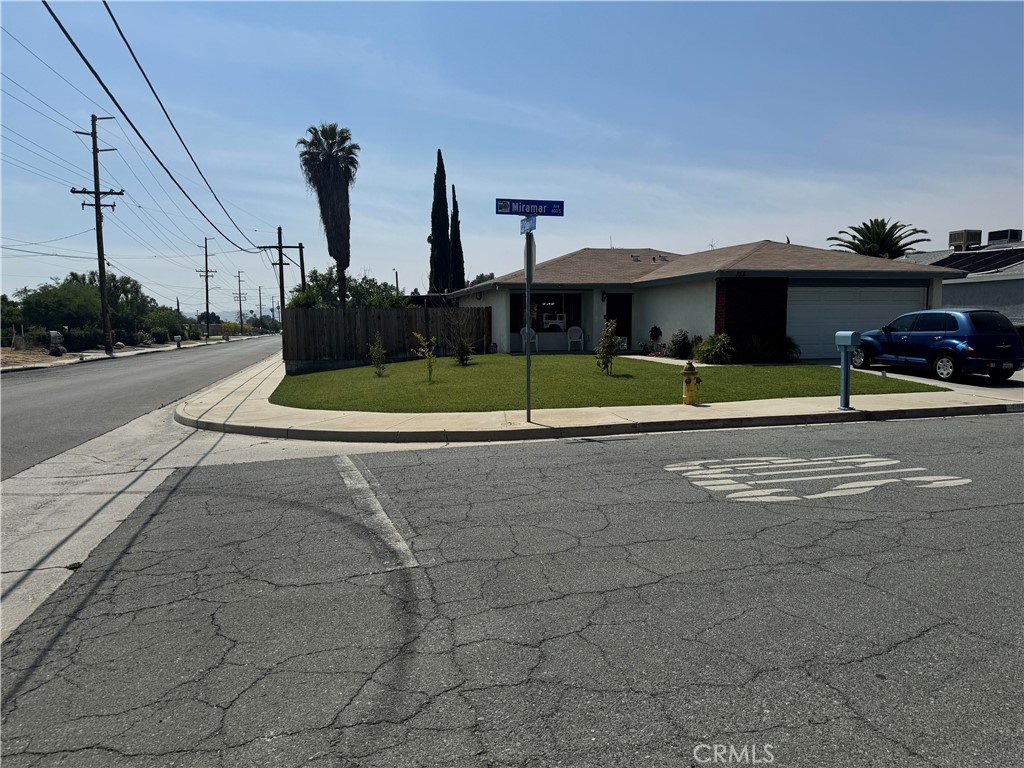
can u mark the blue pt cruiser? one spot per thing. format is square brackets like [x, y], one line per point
[947, 341]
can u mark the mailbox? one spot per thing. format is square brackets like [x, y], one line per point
[847, 340]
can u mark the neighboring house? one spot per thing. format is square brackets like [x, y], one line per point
[764, 288]
[994, 274]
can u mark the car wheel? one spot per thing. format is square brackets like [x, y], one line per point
[859, 358]
[1001, 375]
[945, 368]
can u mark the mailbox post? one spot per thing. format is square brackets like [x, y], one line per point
[846, 342]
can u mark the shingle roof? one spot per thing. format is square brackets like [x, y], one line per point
[643, 266]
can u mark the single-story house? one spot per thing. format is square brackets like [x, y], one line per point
[763, 288]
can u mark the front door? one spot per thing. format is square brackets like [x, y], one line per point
[619, 307]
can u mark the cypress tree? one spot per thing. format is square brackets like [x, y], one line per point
[458, 262]
[440, 244]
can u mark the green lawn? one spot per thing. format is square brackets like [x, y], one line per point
[498, 382]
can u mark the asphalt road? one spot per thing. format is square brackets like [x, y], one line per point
[827, 596]
[47, 411]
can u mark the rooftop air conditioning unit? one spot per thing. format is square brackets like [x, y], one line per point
[965, 239]
[1004, 236]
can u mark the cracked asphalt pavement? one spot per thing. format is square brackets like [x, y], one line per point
[564, 603]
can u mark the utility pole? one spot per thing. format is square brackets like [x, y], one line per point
[260, 288]
[206, 272]
[241, 297]
[281, 248]
[302, 267]
[108, 341]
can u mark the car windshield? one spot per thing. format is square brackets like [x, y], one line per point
[990, 322]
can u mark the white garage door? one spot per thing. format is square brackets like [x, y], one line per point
[814, 315]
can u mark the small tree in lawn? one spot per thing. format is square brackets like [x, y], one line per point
[607, 347]
[426, 351]
[377, 355]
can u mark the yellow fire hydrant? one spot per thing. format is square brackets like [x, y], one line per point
[690, 382]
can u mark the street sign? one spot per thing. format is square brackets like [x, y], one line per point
[527, 225]
[529, 207]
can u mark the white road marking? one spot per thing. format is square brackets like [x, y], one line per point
[729, 477]
[374, 516]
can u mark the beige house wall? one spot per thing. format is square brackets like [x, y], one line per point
[682, 307]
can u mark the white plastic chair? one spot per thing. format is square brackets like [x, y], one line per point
[575, 337]
[533, 338]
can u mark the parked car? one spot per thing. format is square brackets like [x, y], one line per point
[949, 342]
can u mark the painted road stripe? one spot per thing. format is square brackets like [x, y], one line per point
[374, 516]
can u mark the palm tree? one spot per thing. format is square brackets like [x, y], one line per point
[329, 161]
[877, 237]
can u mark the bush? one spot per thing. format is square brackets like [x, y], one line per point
[79, 339]
[655, 334]
[716, 350]
[462, 351]
[607, 347]
[160, 335]
[766, 349]
[680, 346]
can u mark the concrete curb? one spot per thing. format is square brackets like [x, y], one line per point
[540, 432]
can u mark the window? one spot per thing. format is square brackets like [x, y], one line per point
[991, 322]
[934, 322]
[902, 324]
[550, 313]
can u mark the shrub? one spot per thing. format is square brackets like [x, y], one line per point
[655, 334]
[306, 299]
[160, 335]
[426, 351]
[377, 355]
[607, 347]
[79, 339]
[716, 349]
[680, 346]
[766, 349]
[462, 351]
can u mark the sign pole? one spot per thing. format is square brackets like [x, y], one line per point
[529, 317]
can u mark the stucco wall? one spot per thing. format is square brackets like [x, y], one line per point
[497, 300]
[1004, 294]
[684, 307]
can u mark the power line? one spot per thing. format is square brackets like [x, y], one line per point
[37, 171]
[55, 122]
[176, 133]
[44, 242]
[61, 165]
[40, 146]
[41, 101]
[137, 132]
[58, 74]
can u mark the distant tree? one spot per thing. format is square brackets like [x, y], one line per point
[483, 277]
[368, 292]
[58, 305]
[324, 287]
[214, 318]
[329, 161]
[458, 261]
[878, 237]
[440, 240]
[266, 322]
[164, 322]
[10, 312]
[126, 299]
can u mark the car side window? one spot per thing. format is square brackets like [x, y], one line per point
[902, 324]
[935, 322]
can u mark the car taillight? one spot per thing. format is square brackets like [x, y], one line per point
[968, 350]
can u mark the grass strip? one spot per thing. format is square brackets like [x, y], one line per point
[498, 382]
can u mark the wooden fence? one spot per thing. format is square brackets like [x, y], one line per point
[325, 339]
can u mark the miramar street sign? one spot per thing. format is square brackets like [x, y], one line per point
[530, 207]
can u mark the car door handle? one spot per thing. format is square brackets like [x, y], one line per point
[904, 338]
[937, 338]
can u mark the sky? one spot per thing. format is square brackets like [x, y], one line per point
[670, 125]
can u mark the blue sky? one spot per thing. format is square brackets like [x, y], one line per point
[663, 125]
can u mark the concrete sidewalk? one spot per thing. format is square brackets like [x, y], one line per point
[240, 404]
